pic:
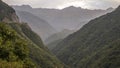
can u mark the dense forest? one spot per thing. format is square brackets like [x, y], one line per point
[96, 45]
[14, 50]
[20, 47]
[39, 54]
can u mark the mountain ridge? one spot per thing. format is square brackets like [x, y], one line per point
[64, 19]
[95, 45]
[21, 47]
[39, 25]
[7, 13]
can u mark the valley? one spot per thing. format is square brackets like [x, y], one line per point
[72, 37]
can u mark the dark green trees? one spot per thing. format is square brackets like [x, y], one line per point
[20, 47]
[14, 50]
[96, 45]
[39, 54]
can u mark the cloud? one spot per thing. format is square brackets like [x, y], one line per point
[92, 4]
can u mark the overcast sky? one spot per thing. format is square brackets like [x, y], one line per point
[91, 4]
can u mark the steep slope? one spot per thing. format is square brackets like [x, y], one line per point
[71, 18]
[53, 44]
[96, 45]
[14, 51]
[7, 13]
[38, 52]
[39, 25]
[59, 35]
[20, 47]
[51, 41]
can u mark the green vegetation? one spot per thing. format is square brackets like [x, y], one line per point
[39, 54]
[96, 45]
[20, 47]
[109, 56]
[20, 53]
[14, 50]
[53, 44]
[32, 35]
[54, 39]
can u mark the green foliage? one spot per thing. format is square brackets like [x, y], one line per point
[20, 47]
[53, 44]
[110, 56]
[13, 49]
[94, 45]
[5, 64]
[39, 54]
[31, 35]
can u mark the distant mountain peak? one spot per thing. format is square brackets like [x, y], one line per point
[110, 8]
[118, 8]
[26, 6]
[23, 6]
[72, 7]
[67, 30]
[92, 46]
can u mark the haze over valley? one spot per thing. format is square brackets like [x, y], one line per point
[59, 34]
[71, 18]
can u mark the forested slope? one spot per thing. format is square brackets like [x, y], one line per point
[20, 47]
[96, 45]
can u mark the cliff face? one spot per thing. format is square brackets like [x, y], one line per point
[15, 18]
[7, 13]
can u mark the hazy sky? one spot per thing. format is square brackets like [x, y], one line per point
[92, 4]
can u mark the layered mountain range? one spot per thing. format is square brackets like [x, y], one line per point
[54, 39]
[71, 18]
[95, 45]
[39, 25]
[20, 46]
[68, 18]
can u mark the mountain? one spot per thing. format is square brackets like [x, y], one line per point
[20, 47]
[7, 13]
[95, 45]
[71, 18]
[39, 54]
[14, 51]
[40, 26]
[57, 37]
[53, 44]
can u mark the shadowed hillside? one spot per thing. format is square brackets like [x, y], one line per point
[96, 45]
[20, 47]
